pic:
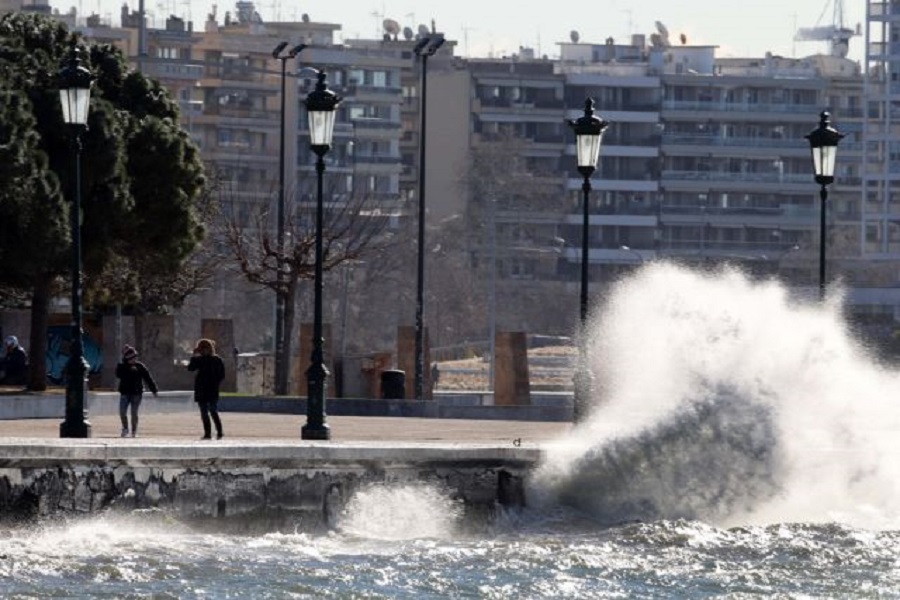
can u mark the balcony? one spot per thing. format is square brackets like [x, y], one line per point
[376, 159]
[684, 139]
[799, 178]
[368, 123]
[375, 91]
[882, 8]
[761, 108]
[171, 70]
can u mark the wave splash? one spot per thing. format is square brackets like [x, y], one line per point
[722, 399]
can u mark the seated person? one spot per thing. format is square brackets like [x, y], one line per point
[14, 365]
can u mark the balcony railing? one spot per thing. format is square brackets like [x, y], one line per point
[759, 107]
[748, 142]
[379, 159]
[737, 176]
[373, 123]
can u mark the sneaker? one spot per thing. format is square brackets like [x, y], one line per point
[206, 437]
[124, 432]
[134, 434]
[220, 435]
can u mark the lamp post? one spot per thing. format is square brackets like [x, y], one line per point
[588, 135]
[426, 46]
[636, 254]
[320, 106]
[75, 98]
[281, 370]
[823, 141]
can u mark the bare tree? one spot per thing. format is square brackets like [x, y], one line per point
[353, 228]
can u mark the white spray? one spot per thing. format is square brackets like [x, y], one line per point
[400, 512]
[721, 399]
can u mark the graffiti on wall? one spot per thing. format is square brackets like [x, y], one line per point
[59, 342]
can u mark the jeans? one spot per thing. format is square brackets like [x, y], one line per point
[207, 410]
[126, 400]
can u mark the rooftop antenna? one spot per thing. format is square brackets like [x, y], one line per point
[466, 31]
[379, 19]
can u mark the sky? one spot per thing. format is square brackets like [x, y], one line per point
[494, 28]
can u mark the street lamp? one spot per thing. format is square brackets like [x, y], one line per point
[75, 98]
[426, 46]
[281, 370]
[588, 135]
[638, 255]
[320, 106]
[823, 141]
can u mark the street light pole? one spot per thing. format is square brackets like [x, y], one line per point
[281, 362]
[636, 254]
[75, 97]
[320, 106]
[588, 135]
[427, 45]
[823, 141]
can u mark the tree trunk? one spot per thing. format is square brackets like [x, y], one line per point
[37, 349]
[289, 314]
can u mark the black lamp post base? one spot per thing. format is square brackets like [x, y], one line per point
[582, 397]
[315, 432]
[76, 424]
[75, 429]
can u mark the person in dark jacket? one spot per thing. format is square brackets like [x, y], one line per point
[14, 365]
[132, 375]
[210, 372]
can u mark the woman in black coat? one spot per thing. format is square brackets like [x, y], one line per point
[210, 372]
[132, 375]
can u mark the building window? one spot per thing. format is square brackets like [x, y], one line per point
[379, 78]
[167, 52]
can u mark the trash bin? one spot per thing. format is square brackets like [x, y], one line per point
[393, 384]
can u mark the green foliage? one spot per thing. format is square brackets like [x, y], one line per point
[33, 216]
[141, 176]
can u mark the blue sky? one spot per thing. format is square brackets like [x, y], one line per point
[738, 27]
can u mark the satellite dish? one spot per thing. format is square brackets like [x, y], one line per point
[408, 33]
[423, 30]
[574, 36]
[305, 18]
[663, 31]
[391, 26]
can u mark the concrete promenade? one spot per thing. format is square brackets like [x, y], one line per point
[247, 428]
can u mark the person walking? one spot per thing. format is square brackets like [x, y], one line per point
[132, 375]
[210, 372]
[14, 365]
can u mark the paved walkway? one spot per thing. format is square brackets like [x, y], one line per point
[256, 426]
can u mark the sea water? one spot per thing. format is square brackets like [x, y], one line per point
[740, 444]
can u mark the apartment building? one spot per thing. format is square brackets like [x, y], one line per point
[879, 203]
[736, 177]
[704, 162]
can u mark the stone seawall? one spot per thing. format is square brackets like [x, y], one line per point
[273, 486]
